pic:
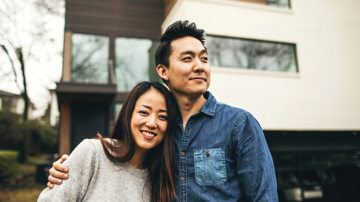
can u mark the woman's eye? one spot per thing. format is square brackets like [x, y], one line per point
[143, 112]
[163, 117]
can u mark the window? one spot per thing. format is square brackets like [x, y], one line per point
[251, 54]
[279, 3]
[8, 105]
[276, 3]
[90, 56]
[117, 108]
[134, 62]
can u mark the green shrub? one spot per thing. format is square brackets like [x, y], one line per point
[29, 137]
[10, 169]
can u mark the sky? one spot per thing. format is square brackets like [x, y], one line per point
[40, 33]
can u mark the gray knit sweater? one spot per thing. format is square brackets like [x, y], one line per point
[94, 177]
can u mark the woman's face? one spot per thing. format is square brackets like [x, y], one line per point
[149, 120]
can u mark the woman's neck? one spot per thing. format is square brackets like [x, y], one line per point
[137, 161]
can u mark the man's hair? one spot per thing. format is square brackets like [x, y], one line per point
[176, 30]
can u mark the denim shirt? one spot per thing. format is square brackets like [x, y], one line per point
[222, 155]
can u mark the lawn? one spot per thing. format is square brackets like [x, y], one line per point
[17, 181]
[21, 194]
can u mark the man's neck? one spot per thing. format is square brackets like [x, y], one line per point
[189, 106]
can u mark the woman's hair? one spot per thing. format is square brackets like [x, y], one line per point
[160, 160]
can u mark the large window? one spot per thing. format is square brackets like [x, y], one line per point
[90, 56]
[279, 3]
[251, 54]
[134, 61]
[276, 3]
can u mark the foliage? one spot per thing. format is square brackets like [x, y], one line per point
[28, 137]
[10, 169]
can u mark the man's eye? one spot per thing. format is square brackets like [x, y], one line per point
[205, 59]
[186, 59]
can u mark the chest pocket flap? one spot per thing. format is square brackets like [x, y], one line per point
[210, 166]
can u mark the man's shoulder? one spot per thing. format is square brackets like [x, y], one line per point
[229, 109]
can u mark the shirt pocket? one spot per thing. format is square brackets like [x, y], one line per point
[210, 166]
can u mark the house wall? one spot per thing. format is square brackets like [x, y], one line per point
[324, 95]
[140, 18]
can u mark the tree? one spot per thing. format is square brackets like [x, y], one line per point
[26, 38]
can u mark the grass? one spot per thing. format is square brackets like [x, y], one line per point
[10, 169]
[17, 181]
[23, 194]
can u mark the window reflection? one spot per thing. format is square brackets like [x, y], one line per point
[117, 108]
[133, 58]
[279, 3]
[90, 55]
[250, 54]
[276, 3]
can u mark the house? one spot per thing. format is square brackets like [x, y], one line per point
[291, 63]
[52, 114]
[11, 102]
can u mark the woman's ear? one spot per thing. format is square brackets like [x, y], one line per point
[162, 71]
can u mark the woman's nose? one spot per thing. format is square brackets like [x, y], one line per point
[151, 122]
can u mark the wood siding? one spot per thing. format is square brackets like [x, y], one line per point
[132, 18]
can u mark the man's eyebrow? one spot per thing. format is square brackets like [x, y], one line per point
[192, 52]
[187, 52]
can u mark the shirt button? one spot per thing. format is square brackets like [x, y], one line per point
[207, 153]
[182, 153]
[182, 179]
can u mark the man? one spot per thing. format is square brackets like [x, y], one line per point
[222, 154]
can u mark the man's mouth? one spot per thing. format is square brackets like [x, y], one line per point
[198, 78]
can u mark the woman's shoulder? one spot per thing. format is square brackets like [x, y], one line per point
[90, 144]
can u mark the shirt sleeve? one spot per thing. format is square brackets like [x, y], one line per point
[254, 164]
[81, 169]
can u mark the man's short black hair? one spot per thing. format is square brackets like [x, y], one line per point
[176, 30]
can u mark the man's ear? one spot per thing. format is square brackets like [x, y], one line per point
[162, 71]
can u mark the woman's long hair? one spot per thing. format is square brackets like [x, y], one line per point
[160, 160]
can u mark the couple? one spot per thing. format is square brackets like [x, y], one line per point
[220, 151]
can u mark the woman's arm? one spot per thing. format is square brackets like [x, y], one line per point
[81, 169]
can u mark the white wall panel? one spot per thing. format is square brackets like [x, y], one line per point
[324, 95]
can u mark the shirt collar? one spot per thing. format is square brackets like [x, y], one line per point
[210, 104]
[208, 108]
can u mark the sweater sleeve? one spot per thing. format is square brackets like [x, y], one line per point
[81, 164]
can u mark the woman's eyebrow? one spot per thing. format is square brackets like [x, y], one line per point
[148, 107]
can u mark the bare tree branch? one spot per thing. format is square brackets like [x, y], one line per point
[12, 65]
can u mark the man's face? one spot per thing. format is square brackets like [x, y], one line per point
[189, 70]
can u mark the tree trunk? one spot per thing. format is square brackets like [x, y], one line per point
[19, 54]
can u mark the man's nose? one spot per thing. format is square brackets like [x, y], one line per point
[199, 65]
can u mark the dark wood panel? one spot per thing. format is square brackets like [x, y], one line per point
[138, 18]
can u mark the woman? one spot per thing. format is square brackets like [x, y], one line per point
[136, 164]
